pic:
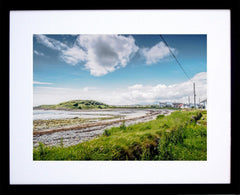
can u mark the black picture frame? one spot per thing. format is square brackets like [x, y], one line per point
[232, 188]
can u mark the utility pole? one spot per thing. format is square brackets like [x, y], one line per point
[194, 95]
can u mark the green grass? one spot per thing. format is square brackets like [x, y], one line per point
[179, 136]
[76, 104]
[92, 104]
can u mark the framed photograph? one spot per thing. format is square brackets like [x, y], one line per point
[120, 97]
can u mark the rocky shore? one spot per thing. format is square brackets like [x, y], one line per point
[74, 134]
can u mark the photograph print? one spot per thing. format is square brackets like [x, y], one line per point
[120, 97]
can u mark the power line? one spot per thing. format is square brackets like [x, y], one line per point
[194, 94]
[175, 57]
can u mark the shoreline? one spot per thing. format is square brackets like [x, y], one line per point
[103, 109]
[182, 135]
[74, 134]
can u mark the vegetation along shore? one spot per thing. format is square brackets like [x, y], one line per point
[181, 135]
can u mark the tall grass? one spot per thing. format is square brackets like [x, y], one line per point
[179, 136]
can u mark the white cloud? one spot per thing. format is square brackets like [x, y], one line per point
[87, 89]
[177, 92]
[106, 53]
[156, 53]
[73, 55]
[41, 83]
[135, 94]
[54, 95]
[136, 86]
[102, 54]
[51, 43]
[38, 53]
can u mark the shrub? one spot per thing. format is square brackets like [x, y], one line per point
[123, 126]
[146, 127]
[107, 132]
[61, 142]
[160, 116]
[146, 154]
[164, 126]
[41, 148]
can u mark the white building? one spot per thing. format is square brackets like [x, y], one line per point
[165, 104]
[162, 104]
[203, 104]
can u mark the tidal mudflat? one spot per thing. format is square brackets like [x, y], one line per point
[53, 127]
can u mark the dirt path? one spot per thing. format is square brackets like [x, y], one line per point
[71, 135]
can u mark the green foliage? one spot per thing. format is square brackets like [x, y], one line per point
[174, 137]
[107, 132]
[188, 142]
[123, 126]
[61, 142]
[75, 104]
[160, 116]
[41, 149]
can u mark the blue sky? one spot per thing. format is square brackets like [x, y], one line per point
[89, 66]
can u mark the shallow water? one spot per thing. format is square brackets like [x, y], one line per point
[62, 114]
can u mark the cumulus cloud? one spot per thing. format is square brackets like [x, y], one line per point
[136, 86]
[101, 54]
[160, 92]
[73, 55]
[106, 53]
[156, 53]
[134, 94]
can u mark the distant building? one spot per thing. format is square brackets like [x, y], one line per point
[169, 104]
[203, 104]
[187, 105]
[165, 104]
[176, 105]
[181, 105]
[162, 104]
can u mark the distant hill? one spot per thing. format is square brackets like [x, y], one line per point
[75, 104]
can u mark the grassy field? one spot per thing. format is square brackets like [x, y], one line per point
[179, 136]
[75, 104]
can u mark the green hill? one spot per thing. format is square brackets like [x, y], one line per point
[75, 104]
